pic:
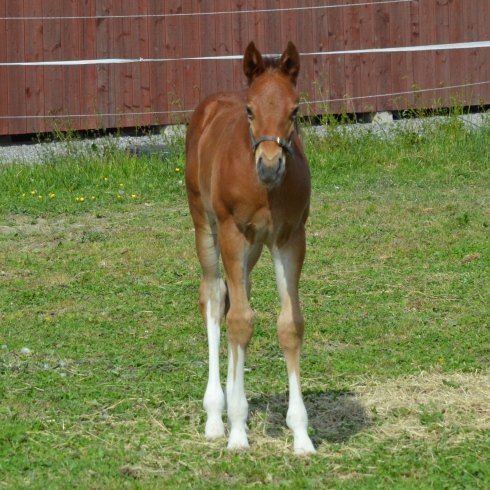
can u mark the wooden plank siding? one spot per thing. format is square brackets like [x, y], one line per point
[149, 92]
[34, 88]
[4, 95]
[88, 108]
[16, 75]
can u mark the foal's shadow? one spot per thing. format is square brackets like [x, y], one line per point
[333, 415]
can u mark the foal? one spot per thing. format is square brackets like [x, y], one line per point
[248, 185]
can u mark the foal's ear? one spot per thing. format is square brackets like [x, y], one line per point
[253, 63]
[290, 62]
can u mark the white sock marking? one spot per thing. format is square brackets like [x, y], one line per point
[214, 399]
[236, 401]
[297, 418]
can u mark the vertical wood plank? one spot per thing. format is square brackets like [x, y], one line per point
[294, 20]
[191, 49]
[382, 39]
[406, 39]
[398, 60]
[255, 23]
[87, 83]
[318, 89]
[414, 40]
[208, 48]
[105, 72]
[304, 42]
[34, 74]
[240, 42]
[140, 71]
[470, 29]
[123, 80]
[70, 75]
[4, 96]
[425, 61]
[53, 81]
[158, 70]
[289, 32]
[289, 18]
[337, 62]
[16, 74]
[484, 53]
[272, 27]
[352, 62]
[458, 70]
[224, 45]
[419, 57]
[175, 71]
[443, 75]
[368, 60]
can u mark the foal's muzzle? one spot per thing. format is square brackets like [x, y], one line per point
[271, 169]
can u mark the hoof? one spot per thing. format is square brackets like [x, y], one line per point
[238, 441]
[214, 429]
[304, 446]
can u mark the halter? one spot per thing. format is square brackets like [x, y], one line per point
[286, 145]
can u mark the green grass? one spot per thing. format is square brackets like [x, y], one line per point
[103, 292]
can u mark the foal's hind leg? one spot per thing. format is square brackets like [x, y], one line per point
[288, 261]
[212, 299]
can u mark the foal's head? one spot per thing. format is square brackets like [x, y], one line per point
[272, 107]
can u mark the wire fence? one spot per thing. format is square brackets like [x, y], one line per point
[228, 12]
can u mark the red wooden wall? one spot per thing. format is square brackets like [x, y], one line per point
[40, 98]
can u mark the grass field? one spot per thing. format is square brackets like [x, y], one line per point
[103, 356]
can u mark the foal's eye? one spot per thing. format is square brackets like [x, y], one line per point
[250, 114]
[294, 114]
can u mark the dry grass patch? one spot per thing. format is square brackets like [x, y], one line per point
[427, 405]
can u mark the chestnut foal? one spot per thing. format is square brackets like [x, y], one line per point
[248, 185]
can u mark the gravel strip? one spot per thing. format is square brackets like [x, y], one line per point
[32, 153]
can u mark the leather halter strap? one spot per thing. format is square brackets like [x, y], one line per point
[287, 145]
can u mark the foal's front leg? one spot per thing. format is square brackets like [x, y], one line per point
[235, 253]
[288, 262]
